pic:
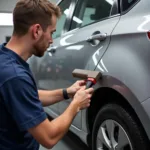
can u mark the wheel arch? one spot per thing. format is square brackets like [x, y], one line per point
[103, 96]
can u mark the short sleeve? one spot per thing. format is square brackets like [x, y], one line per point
[21, 98]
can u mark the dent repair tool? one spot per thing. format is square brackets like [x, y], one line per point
[91, 77]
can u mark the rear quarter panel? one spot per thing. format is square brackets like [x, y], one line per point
[126, 63]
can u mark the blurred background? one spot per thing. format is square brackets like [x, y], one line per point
[6, 24]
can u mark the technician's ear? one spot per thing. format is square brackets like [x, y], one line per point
[37, 31]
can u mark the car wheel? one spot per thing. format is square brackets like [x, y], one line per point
[116, 129]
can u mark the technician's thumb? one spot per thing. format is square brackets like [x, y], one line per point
[82, 88]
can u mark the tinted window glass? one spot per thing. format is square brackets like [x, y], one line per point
[90, 11]
[64, 6]
[126, 4]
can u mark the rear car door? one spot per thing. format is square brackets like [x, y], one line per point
[85, 43]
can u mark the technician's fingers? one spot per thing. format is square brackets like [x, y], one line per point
[89, 90]
[82, 82]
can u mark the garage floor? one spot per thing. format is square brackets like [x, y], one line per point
[69, 142]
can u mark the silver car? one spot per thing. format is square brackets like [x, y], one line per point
[113, 37]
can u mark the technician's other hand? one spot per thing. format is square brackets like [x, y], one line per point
[82, 98]
[75, 87]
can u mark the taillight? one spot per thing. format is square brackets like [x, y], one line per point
[148, 33]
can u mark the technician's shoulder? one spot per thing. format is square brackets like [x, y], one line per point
[10, 68]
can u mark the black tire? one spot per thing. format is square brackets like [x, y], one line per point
[136, 135]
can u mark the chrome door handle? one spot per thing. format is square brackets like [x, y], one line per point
[100, 37]
[52, 49]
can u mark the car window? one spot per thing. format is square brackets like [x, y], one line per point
[126, 4]
[90, 11]
[64, 6]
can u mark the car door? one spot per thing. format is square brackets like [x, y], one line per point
[85, 43]
[48, 64]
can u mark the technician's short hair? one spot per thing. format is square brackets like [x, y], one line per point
[29, 12]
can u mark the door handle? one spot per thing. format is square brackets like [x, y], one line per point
[100, 37]
[52, 49]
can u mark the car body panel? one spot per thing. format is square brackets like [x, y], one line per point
[126, 62]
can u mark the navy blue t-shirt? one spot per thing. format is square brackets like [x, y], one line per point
[20, 107]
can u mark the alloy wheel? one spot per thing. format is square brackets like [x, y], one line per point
[112, 136]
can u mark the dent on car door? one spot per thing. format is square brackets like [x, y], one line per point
[49, 63]
[88, 39]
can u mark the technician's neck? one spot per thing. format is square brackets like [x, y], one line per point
[20, 46]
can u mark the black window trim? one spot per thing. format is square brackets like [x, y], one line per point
[126, 11]
[116, 4]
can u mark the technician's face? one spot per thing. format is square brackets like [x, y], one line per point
[45, 39]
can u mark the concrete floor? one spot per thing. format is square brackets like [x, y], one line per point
[69, 142]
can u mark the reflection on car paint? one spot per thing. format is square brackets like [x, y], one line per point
[75, 47]
[96, 60]
[103, 65]
[63, 41]
[141, 26]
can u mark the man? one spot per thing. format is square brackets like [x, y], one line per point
[23, 123]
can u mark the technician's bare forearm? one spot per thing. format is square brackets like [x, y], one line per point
[50, 97]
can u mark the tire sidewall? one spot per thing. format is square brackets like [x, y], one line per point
[111, 112]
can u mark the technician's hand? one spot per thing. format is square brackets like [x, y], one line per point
[82, 98]
[75, 87]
